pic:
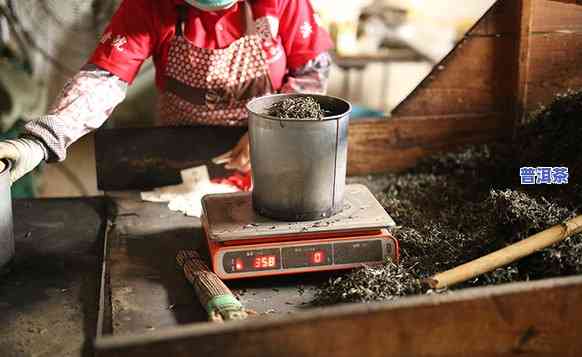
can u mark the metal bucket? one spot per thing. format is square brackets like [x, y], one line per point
[6, 230]
[298, 166]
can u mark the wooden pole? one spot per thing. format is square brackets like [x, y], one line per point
[525, 10]
[506, 255]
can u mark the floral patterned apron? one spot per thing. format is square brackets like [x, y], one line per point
[212, 86]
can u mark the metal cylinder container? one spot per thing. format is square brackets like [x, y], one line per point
[298, 165]
[6, 230]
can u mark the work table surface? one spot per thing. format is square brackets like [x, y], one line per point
[48, 299]
[148, 290]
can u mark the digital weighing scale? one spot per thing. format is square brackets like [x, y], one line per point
[243, 244]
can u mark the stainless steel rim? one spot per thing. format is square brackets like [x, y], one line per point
[327, 118]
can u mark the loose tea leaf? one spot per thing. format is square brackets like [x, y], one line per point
[305, 108]
[455, 207]
[369, 284]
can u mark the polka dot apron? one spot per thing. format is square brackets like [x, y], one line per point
[212, 86]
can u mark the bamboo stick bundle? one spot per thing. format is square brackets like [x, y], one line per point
[213, 294]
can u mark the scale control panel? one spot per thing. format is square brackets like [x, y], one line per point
[232, 262]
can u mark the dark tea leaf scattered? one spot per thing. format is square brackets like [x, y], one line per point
[304, 108]
[369, 284]
[455, 207]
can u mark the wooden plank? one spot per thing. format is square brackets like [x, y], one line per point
[499, 19]
[555, 51]
[143, 158]
[523, 51]
[552, 16]
[474, 78]
[554, 66]
[535, 319]
[398, 143]
[477, 78]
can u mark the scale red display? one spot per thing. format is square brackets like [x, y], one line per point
[265, 261]
[259, 262]
[294, 257]
[252, 260]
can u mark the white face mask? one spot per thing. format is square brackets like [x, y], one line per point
[211, 5]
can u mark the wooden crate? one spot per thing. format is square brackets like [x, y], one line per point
[516, 57]
[539, 318]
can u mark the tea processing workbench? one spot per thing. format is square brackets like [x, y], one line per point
[49, 300]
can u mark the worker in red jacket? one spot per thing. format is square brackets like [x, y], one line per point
[211, 58]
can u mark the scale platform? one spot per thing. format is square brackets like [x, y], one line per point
[243, 244]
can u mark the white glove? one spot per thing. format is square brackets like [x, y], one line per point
[24, 153]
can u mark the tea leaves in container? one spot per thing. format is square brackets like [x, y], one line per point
[300, 107]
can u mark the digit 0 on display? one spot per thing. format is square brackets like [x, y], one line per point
[307, 255]
[318, 257]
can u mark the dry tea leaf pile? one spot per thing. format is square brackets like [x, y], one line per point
[454, 208]
[304, 108]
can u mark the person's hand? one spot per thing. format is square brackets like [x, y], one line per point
[24, 153]
[240, 156]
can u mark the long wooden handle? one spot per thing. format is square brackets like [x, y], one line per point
[506, 255]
